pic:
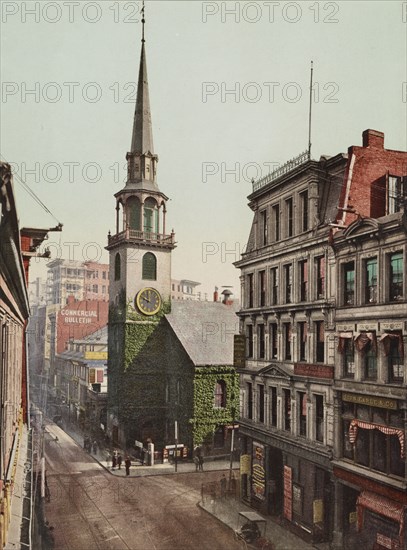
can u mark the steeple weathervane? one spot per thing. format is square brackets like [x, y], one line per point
[143, 21]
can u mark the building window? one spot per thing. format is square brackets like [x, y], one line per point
[348, 358]
[150, 216]
[303, 280]
[289, 216]
[396, 277]
[273, 340]
[320, 340]
[303, 336]
[349, 280]
[249, 336]
[274, 285]
[219, 438]
[319, 418]
[287, 410]
[374, 438]
[220, 394]
[320, 265]
[249, 389]
[260, 334]
[117, 267]
[263, 228]
[371, 281]
[276, 221]
[260, 388]
[394, 352]
[288, 282]
[250, 289]
[393, 194]
[95, 289]
[149, 267]
[370, 362]
[302, 413]
[262, 288]
[304, 211]
[273, 406]
[287, 341]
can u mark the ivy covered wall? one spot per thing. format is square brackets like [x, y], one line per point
[207, 417]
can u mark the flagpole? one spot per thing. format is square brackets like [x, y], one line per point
[310, 110]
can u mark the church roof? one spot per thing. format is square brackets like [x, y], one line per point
[205, 330]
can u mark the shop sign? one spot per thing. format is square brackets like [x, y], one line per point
[380, 402]
[239, 351]
[353, 517]
[314, 371]
[383, 540]
[288, 498]
[258, 472]
[245, 464]
[297, 500]
[318, 509]
[96, 355]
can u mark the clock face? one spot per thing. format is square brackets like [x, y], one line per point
[148, 301]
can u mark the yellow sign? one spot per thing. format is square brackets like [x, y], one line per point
[381, 402]
[318, 511]
[95, 355]
[245, 465]
[352, 517]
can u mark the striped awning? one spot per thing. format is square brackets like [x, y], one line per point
[380, 505]
[355, 424]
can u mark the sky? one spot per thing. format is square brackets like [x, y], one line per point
[229, 91]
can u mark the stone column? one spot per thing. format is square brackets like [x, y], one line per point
[337, 538]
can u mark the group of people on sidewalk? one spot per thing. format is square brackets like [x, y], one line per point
[117, 460]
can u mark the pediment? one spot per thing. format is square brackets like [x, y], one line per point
[275, 371]
[362, 227]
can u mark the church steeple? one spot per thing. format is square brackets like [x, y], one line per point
[141, 160]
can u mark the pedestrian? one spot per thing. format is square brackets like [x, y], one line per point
[108, 459]
[119, 461]
[127, 464]
[223, 486]
[114, 460]
[143, 455]
[95, 447]
[196, 461]
[201, 461]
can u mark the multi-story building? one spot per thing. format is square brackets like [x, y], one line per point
[287, 317]
[370, 388]
[322, 398]
[83, 280]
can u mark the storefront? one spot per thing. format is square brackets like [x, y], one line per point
[283, 480]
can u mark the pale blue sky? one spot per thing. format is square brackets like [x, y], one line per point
[359, 54]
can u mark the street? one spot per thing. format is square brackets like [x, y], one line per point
[89, 508]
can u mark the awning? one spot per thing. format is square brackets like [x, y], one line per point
[355, 424]
[380, 505]
[386, 339]
[364, 338]
[343, 336]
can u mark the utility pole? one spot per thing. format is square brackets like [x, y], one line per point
[176, 447]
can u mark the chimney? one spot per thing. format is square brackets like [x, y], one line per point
[226, 297]
[373, 138]
[215, 294]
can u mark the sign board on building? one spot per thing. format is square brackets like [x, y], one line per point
[313, 371]
[380, 402]
[245, 464]
[239, 351]
[318, 510]
[288, 494]
[95, 355]
[258, 471]
[297, 499]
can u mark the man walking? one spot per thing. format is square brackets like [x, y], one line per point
[127, 464]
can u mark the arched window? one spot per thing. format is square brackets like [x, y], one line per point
[150, 216]
[149, 267]
[220, 394]
[117, 267]
[134, 213]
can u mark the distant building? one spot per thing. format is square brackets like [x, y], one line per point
[83, 280]
[81, 382]
[184, 289]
